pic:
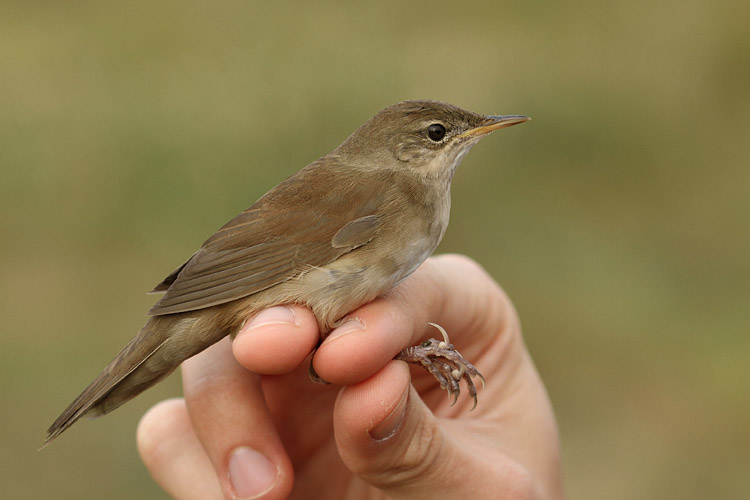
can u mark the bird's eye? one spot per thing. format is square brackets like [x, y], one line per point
[436, 132]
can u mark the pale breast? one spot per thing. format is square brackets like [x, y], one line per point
[406, 238]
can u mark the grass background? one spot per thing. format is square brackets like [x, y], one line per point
[618, 220]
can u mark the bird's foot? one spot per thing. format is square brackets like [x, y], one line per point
[446, 364]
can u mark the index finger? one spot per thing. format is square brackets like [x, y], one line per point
[450, 290]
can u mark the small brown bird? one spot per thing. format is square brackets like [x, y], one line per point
[339, 233]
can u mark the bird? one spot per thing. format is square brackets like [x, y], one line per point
[337, 234]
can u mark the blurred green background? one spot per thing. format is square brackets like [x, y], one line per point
[617, 220]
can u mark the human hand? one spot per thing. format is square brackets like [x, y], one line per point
[371, 434]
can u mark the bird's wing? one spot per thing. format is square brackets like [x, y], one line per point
[295, 226]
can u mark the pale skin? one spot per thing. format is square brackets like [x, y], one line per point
[252, 424]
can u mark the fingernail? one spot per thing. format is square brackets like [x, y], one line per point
[351, 325]
[278, 315]
[251, 473]
[390, 424]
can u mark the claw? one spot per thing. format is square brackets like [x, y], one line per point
[445, 363]
[481, 377]
[447, 342]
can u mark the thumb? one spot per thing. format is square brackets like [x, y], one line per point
[388, 437]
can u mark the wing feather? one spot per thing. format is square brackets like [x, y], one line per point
[282, 234]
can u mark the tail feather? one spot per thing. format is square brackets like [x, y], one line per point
[160, 346]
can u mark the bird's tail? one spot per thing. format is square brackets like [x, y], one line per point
[161, 345]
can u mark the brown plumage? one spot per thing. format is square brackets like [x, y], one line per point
[334, 236]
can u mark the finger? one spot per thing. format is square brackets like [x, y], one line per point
[388, 437]
[452, 291]
[229, 415]
[277, 340]
[173, 454]
[455, 292]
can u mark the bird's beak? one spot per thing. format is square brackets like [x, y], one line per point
[494, 123]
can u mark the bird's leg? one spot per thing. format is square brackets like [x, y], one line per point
[446, 364]
[311, 371]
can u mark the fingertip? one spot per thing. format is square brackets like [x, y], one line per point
[362, 345]
[372, 411]
[173, 454]
[230, 421]
[391, 424]
[160, 427]
[387, 436]
[276, 340]
[251, 473]
[157, 422]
